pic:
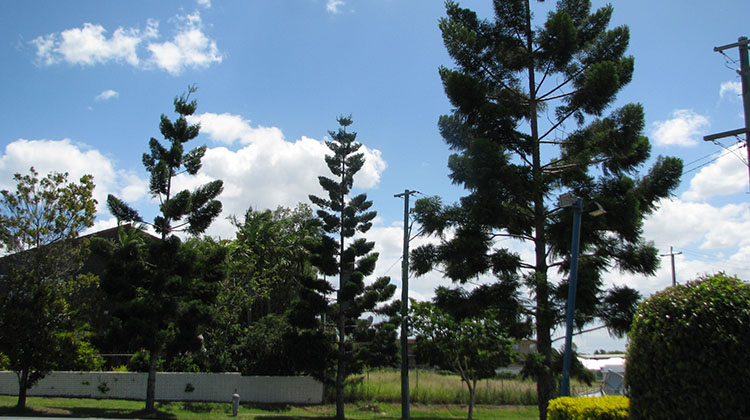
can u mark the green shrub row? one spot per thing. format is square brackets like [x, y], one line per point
[589, 408]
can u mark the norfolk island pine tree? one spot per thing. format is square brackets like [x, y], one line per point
[509, 77]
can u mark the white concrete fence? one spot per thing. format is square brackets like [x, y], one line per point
[216, 387]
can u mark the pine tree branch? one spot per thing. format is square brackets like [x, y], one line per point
[558, 87]
[512, 236]
[557, 124]
[544, 77]
[502, 84]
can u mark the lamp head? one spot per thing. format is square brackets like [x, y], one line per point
[599, 210]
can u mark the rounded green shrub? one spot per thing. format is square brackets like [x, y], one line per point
[689, 352]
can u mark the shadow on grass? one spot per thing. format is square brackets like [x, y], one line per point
[85, 412]
[274, 408]
[274, 417]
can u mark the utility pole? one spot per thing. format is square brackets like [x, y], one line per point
[744, 72]
[672, 254]
[405, 415]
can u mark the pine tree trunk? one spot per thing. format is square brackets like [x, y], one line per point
[151, 382]
[340, 371]
[544, 315]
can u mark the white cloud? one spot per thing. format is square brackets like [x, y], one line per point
[205, 3]
[77, 160]
[90, 45]
[267, 171]
[731, 89]
[189, 48]
[710, 238]
[228, 128]
[684, 129]
[334, 6]
[728, 175]
[106, 95]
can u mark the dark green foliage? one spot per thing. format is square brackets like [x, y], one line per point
[688, 352]
[270, 308]
[39, 225]
[533, 363]
[162, 290]
[530, 121]
[338, 254]
[187, 211]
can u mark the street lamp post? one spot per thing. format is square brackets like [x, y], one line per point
[577, 208]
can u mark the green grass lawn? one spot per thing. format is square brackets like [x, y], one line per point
[81, 407]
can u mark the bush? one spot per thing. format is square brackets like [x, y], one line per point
[588, 408]
[689, 350]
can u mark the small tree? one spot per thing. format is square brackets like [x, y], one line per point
[343, 216]
[38, 224]
[688, 352]
[472, 347]
[162, 287]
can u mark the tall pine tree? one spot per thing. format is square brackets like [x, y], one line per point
[528, 124]
[163, 288]
[340, 254]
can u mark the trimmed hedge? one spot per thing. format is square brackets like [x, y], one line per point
[689, 352]
[588, 408]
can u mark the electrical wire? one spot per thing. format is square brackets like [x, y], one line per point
[726, 152]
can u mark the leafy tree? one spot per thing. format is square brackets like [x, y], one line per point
[472, 347]
[163, 288]
[376, 342]
[528, 123]
[343, 216]
[38, 224]
[271, 307]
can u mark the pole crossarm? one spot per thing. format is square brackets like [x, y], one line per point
[742, 45]
[730, 133]
[742, 42]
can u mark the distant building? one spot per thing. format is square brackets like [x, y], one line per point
[522, 347]
[609, 368]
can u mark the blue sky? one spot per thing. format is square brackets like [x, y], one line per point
[84, 84]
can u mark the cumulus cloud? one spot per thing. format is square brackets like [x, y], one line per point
[77, 160]
[229, 128]
[190, 47]
[710, 239]
[731, 90]
[334, 6]
[91, 45]
[106, 95]
[728, 175]
[267, 170]
[205, 3]
[684, 129]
